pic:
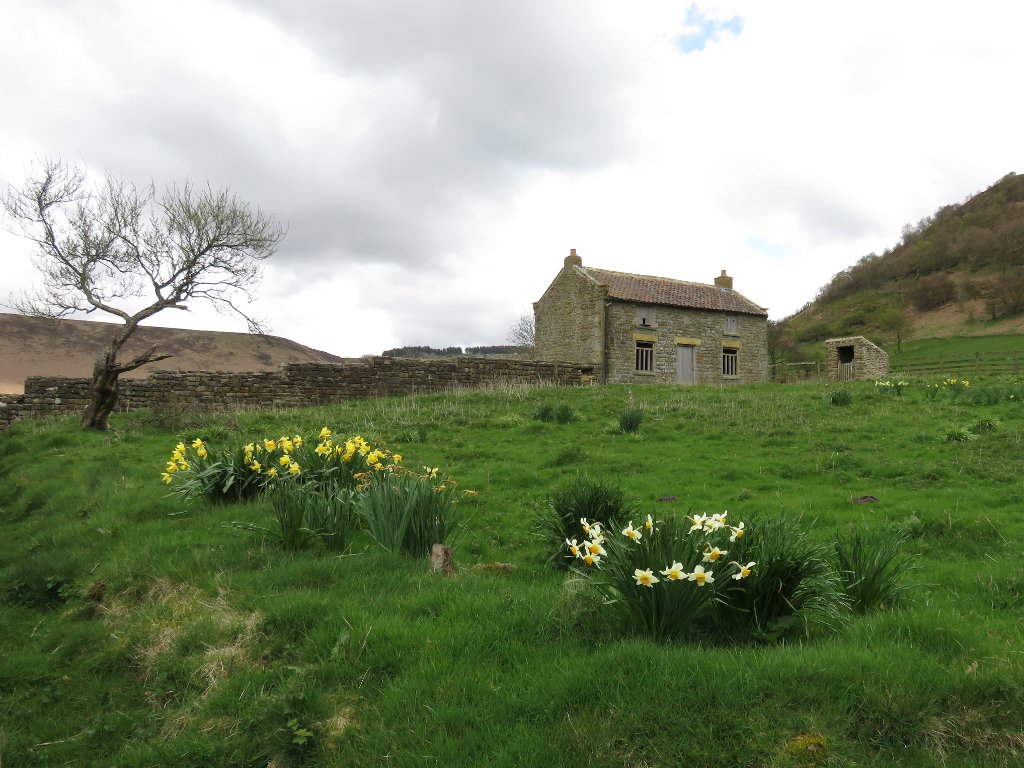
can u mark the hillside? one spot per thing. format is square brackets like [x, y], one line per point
[957, 272]
[36, 347]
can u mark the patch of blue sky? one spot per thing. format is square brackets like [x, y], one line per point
[766, 247]
[702, 29]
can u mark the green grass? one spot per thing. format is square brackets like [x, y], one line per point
[956, 345]
[138, 630]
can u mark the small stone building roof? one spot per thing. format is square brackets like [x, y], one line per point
[646, 289]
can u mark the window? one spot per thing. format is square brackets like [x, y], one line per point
[645, 315]
[645, 356]
[730, 360]
[732, 325]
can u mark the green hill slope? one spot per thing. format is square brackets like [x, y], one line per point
[957, 272]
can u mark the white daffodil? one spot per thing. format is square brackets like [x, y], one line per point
[737, 532]
[574, 547]
[713, 554]
[700, 576]
[594, 548]
[674, 572]
[743, 570]
[632, 533]
[645, 578]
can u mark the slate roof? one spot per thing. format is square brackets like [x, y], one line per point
[645, 289]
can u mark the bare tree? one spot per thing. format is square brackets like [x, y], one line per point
[119, 247]
[522, 333]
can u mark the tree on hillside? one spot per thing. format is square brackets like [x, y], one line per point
[118, 247]
[894, 319]
[522, 333]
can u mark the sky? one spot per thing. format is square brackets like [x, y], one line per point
[434, 162]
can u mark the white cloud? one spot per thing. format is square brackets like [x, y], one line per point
[435, 162]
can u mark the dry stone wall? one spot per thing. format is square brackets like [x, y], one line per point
[294, 385]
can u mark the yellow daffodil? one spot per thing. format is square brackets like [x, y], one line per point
[297, 440]
[172, 467]
[397, 458]
[184, 465]
[594, 560]
[284, 461]
[270, 445]
[713, 554]
[272, 472]
[632, 533]
[197, 443]
[743, 570]
[324, 449]
[249, 448]
[700, 576]
[325, 433]
[573, 547]
[167, 477]
[294, 469]
[645, 578]
[201, 452]
[255, 466]
[674, 572]
[179, 448]
[287, 445]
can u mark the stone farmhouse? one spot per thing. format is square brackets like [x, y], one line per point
[640, 329]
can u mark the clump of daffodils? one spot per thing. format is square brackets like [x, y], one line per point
[891, 387]
[350, 462]
[661, 577]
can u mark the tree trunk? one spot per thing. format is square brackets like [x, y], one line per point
[102, 391]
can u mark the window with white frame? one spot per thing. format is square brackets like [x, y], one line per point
[645, 315]
[730, 361]
[645, 356]
[732, 325]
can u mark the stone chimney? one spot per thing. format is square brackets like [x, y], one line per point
[722, 281]
[572, 258]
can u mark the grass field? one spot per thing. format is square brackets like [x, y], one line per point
[140, 631]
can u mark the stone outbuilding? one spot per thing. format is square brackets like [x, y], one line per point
[854, 357]
[643, 329]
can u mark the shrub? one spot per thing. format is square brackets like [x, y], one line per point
[582, 499]
[290, 502]
[871, 572]
[406, 512]
[544, 412]
[793, 587]
[561, 413]
[959, 435]
[333, 517]
[840, 396]
[631, 419]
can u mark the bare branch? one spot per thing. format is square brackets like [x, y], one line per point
[101, 250]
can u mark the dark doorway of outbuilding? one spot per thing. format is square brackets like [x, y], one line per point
[846, 356]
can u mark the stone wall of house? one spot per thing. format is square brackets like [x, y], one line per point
[569, 318]
[674, 326]
[869, 360]
[294, 385]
